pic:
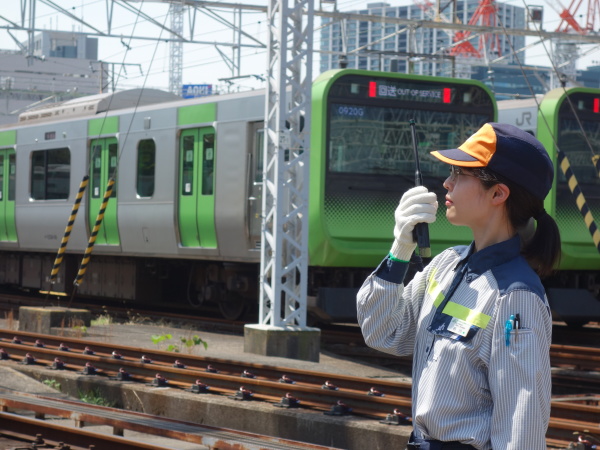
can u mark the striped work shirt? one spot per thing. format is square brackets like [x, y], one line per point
[468, 384]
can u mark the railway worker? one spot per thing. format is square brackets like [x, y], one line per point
[476, 319]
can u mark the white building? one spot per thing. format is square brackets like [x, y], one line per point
[60, 67]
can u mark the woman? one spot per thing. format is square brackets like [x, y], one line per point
[476, 319]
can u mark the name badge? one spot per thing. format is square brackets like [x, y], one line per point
[458, 326]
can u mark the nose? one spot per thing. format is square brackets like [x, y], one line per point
[448, 182]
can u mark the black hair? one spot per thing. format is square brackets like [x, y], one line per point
[542, 251]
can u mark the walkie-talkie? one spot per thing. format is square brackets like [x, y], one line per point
[421, 231]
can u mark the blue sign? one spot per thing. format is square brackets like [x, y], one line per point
[196, 90]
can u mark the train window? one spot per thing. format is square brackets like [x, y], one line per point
[12, 172]
[1, 177]
[208, 164]
[113, 158]
[146, 160]
[187, 178]
[50, 174]
[96, 169]
[259, 155]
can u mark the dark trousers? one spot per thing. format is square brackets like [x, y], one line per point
[427, 444]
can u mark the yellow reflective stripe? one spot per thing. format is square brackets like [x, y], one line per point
[452, 309]
[478, 319]
[434, 290]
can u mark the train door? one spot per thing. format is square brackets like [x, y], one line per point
[255, 179]
[196, 188]
[8, 230]
[104, 157]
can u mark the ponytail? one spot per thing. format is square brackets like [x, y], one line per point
[543, 250]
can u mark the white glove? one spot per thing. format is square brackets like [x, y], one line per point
[416, 205]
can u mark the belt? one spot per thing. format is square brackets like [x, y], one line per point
[430, 444]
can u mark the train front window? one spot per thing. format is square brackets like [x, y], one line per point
[377, 140]
[369, 130]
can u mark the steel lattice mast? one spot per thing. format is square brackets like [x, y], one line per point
[176, 48]
[284, 249]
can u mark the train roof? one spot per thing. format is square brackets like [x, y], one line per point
[95, 104]
[520, 103]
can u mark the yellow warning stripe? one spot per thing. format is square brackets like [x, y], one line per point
[580, 201]
[69, 227]
[92, 240]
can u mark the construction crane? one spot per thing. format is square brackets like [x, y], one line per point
[566, 51]
[567, 16]
[484, 15]
[463, 48]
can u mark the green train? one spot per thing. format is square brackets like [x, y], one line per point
[183, 222]
[567, 122]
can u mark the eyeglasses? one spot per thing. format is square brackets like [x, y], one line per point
[455, 171]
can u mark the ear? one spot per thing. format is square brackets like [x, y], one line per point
[500, 193]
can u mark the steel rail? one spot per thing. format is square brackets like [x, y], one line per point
[165, 359]
[82, 413]
[307, 386]
[71, 436]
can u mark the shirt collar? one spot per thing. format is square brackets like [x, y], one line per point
[492, 256]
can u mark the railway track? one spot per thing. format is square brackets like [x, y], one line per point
[377, 399]
[120, 420]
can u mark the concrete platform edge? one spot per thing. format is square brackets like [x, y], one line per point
[344, 432]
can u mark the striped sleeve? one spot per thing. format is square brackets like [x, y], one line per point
[387, 312]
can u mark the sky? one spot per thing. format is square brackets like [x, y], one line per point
[203, 63]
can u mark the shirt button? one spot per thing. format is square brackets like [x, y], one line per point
[427, 349]
[469, 278]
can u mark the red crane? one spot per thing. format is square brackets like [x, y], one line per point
[484, 15]
[567, 16]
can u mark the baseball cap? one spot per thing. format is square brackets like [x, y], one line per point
[509, 152]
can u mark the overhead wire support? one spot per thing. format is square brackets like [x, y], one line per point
[284, 245]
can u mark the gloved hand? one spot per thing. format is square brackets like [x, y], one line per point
[416, 205]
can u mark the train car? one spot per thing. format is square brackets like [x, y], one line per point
[183, 221]
[567, 122]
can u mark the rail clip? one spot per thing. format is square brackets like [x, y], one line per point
[243, 394]
[397, 418]
[288, 401]
[339, 409]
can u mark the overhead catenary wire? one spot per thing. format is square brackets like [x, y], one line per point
[109, 187]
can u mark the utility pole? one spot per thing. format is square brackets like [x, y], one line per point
[282, 329]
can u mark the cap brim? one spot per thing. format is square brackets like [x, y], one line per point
[457, 157]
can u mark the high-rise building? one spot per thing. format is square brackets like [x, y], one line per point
[400, 48]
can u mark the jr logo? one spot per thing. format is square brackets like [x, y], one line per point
[525, 119]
